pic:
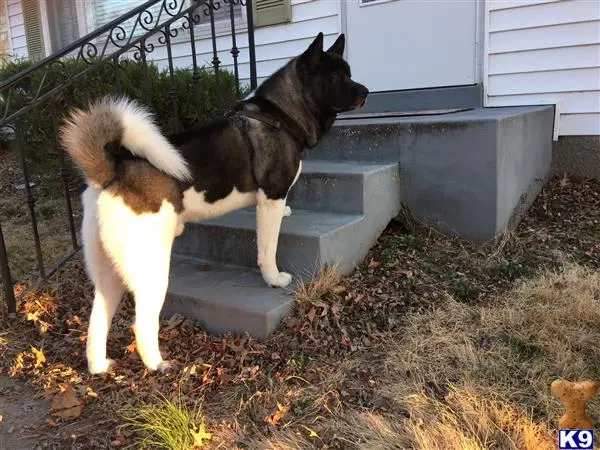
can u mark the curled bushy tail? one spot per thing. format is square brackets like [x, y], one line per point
[86, 133]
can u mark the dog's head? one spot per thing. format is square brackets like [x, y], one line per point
[326, 77]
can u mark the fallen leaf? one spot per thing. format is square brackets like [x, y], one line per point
[118, 442]
[51, 422]
[66, 404]
[200, 435]
[39, 357]
[276, 417]
[313, 433]
[174, 321]
[131, 347]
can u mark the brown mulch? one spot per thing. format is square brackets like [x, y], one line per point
[313, 365]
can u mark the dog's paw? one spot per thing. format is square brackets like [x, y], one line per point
[97, 367]
[287, 211]
[165, 367]
[283, 279]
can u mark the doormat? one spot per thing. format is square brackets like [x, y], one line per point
[383, 115]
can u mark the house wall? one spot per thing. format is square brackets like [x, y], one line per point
[545, 51]
[16, 29]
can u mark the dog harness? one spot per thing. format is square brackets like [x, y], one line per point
[270, 115]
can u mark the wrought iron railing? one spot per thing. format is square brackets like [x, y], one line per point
[131, 37]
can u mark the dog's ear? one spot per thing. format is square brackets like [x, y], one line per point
[338, 45]
[313, 52]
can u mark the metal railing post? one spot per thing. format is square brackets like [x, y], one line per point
[9, 293]
[251, 49]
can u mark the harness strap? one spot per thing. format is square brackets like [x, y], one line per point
[275, 118]
[239, 116]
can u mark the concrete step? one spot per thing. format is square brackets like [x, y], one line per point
[306, 238]
[225, 299]
[339, 186]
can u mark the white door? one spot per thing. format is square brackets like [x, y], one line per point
[411, 44]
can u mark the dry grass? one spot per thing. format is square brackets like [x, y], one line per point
[323, 284]
[478, 377]
[463, 420]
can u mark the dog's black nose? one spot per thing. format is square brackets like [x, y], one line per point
[364, 92]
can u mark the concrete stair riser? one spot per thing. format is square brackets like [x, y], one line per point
[337, 186]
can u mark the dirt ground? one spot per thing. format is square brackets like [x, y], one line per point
[431, 343]
[22, 415]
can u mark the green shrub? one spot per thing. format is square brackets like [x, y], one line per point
[195, 99]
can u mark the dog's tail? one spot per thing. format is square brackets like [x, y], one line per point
[86, 133]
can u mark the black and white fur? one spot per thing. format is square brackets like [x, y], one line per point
[143, 187]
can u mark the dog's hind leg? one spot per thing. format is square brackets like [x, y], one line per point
[108, 286]
[149, 298]
[141, 246]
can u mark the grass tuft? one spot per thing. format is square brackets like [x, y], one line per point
[325, 283]
[166, 424]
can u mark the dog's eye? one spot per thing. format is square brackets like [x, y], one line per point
[339, 76]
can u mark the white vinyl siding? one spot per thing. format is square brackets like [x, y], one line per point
[16, 26]
[546, 51]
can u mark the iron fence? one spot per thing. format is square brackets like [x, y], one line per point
[135, 36]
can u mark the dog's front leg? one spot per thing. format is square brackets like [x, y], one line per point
[269, 214]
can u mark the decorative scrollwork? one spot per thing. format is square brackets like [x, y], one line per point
[192, 17]
[117, 34]
[143, 47]
[122, 62]
[60, 70]
[88, 52]
[145, 19]
[167, 33]
[213, 5]
[173, 7]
